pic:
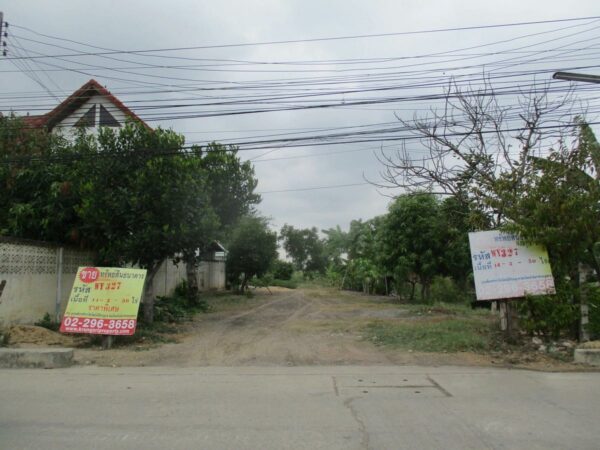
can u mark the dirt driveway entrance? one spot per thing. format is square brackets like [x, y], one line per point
[288, 328]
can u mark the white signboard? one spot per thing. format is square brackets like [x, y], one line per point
[504, 267]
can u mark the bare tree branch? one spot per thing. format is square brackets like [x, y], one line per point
[474, 143]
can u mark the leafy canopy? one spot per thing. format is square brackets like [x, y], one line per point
[252, 251]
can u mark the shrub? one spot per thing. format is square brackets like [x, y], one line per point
[169, 309]
[550, 315]
[182, 305]
[290, 284]
[594, 312]
[445, 290]
[282, 270]
[48, 322]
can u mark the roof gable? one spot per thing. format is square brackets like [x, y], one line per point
[74, 101]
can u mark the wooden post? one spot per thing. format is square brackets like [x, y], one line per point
[503, 315]
[507, 321]
[107, 342]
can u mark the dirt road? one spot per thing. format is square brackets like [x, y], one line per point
[289, 327]
[285, 328]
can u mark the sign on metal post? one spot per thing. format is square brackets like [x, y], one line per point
[504, 267]
[104, 300]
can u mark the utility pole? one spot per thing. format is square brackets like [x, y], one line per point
[3, 34]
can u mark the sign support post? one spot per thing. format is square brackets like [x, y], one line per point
[107, 342]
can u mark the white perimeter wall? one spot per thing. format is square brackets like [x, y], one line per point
[30, 270]
[31, 274]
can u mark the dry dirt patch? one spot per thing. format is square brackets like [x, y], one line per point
[31, 335]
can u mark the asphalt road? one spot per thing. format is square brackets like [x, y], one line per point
[343, 407]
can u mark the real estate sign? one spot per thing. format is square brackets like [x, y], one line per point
[104, 300]
[504, 267]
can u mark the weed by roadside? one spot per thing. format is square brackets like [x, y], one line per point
[48, 322]
[156, 333]
[445, 335]
[145, 334]
[447, 309]
[225, 301]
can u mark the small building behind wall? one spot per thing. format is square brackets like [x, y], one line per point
[210, 273]
[211, 270]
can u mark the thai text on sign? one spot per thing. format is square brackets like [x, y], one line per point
[504, 267]
[104, 300]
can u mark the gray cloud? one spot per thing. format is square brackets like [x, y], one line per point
[143, 25]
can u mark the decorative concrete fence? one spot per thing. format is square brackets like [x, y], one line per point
[36, 278]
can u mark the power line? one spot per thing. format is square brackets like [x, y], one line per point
[231, 62]
[324, 39]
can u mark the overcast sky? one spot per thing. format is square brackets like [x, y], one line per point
[281, 76]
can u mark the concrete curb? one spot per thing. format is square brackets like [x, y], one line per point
[589, 356]
[42, 358]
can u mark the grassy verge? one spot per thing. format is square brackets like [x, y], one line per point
[454, 309]
[290, 284]
[441, 335]
[226, 301]
[156, 333]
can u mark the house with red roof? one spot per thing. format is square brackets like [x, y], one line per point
[91, 106]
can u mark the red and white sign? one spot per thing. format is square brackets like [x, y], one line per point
[124, 327]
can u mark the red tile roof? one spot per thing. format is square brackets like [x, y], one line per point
[74, 101]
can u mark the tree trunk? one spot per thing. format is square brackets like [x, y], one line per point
[244, 284]
[192, 278]
[412, 290]
[149, 293]
[425, 291]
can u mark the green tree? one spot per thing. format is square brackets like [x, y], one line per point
[142, 199]
[559, 208]
[336, 245]
[282, 270]
[560, 205]
[305, 248]
[364, 269]
[230, 185]
[457, 220]
[413, 240]
[252, 251]
[36, 198]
